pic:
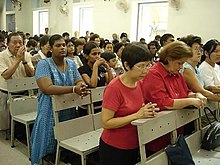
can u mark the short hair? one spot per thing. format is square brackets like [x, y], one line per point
[107, 43]
[117, 46]
[123, 35]
[65, 34]
[133, 54]
[14, 34]
[175, 50]
[88, 47]
[78, 42]
[108, 56]
[157, 37]
[165, 37]
[93, 37]
[43, 40]
[54, 38]
[210, 46]
[191, 39]
[32, 42]
[152, 43]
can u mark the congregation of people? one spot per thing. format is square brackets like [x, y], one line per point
[141, 78]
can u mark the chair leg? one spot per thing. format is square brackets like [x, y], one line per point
[28, 139]
[83, 159]
[57, 154]
[12, 133]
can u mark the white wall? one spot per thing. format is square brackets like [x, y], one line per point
[108, 19]
[24, 18]
[198, 17]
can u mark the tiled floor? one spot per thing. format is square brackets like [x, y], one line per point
[12, 156]
[18, 154]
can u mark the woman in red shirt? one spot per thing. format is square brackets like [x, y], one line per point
[165, 86]
[123, 102]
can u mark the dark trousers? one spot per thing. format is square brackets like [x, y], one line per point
[110, 155]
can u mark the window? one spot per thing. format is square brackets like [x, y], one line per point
[152, 19]
[40, 21]
[83, 19]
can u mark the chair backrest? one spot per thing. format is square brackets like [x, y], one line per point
[26, 83]
[97, 120]
[96, 95]
[22, 104]
[74, 127]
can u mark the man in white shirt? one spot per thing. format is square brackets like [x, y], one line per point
[15, 63]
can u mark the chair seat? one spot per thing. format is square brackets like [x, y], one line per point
[26, 118]
[203, 157]
[100, 130]
[82, 143]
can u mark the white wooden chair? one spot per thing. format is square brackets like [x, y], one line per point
[169, 121]
[97, 122]
[200, 156]
[76, 135]
[152, 128]
[96, 95]
[23, 109]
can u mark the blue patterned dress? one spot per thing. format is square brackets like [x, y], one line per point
[42, 137]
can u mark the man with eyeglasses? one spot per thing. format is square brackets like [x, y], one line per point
[15, 63]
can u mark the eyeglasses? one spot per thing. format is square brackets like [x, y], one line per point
[142, 67]
[198, 50]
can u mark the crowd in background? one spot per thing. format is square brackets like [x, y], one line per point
[149, 77]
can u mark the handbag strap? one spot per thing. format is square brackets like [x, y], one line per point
[212, 113]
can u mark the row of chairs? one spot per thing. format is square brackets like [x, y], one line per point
[169, 122]
[79, 135]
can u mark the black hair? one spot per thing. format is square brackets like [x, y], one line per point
[108, 56]
[14, 34]
[54, 38]
[2, 37]
[88, 47]
[123, 35]
[44, 40]
[31, 42]
[210, 46]
[65, 34]
[107, 43]
[165, 37]
[133, 54]
[93, 37]
[117, 46]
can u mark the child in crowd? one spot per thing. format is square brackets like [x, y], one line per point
[110, 58]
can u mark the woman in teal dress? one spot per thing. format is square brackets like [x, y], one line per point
[54, 76]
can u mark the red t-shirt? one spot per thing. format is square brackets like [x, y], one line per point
[162, 88]
[123, 101]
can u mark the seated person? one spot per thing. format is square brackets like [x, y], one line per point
[110, 58]
[166, 87]
[190, 71]
[210, 71]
